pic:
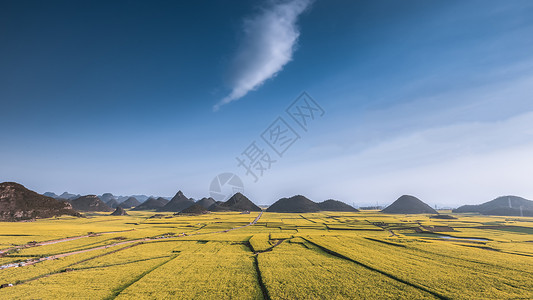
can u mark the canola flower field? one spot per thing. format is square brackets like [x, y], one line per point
[327, 255]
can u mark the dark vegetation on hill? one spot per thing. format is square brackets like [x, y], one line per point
[408, 204]
[195, 209]
[119, 212]
[106, 197]
[68, 196]
[294, 204]
[301, 204]
[501, 206]
[237, 202]
[140, 198]
[89, 203]
[112, 203]
[206, 202]
[336, 205]
[178, 203]
[18, 203]
[163, 200]
[151, 204]
[50, 194]
[130, 202]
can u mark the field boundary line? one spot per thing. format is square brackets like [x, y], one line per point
[472, 260]
[104, 254]
[499, 251]
[123, 287]
[120, 264]
[334, 253]
[262, 285]
[271, 247]
[67, 269]
[309, 220]
[385, 242]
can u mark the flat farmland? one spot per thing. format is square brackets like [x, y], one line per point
[268, 256]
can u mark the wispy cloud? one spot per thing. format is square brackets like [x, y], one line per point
[268, 44]
[462, 147]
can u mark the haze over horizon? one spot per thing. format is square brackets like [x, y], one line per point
[426, 98]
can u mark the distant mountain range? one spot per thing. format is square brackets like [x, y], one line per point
[50, 194]
[65, 195]
[140, 198]
[151, 204]
[129, 203]
[111, 203]
[89, 203]
[105, 197]
[18, 203]
[179, 202]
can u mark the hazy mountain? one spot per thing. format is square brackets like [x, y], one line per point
[112, 203]
[50, 194]
[206, 202]
[152, 203]
[294, 204]
[130, 202]
[335, 205]
[501, 206]
[408, 204]
[178, 203]
[68, 196]
[140, 198]
[89, 203]
[163, 200]
[106, 197]
[18, 203]
[237, 202]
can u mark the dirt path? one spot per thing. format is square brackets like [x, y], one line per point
[51, 242]
[257, 218]
[83, 251]
[52, 257]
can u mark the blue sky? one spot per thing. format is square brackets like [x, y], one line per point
[430, 98]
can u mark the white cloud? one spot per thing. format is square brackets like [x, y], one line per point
[452, 165]
[269, 42]
[462, 147]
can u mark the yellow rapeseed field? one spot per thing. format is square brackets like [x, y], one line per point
[325, 255]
